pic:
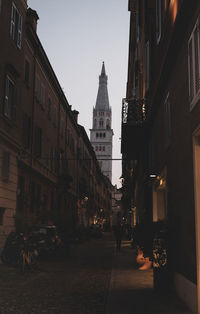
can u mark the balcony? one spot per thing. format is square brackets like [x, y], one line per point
[133, 126]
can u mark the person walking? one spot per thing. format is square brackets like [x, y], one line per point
[118, 232]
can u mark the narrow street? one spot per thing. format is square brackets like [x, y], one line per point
[78, 284]
[92, 279]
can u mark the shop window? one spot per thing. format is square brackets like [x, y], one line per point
[16, 26]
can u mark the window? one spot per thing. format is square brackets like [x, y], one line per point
[167, 121]
[39, 91]
[42, 95]
[158, 20]
[26, 129]
[137, 26]
[107, 124]
[55, 116]
[49, 109]
[147, 72]
[16, 26]
[104, 134]
[104, 148]
[33, 199]
[26, 72]
[97, 134]
[38, 142]
[5, 166]
[10, 99]
[2, 210]
[0, 5]
[95, 123]
[194, 65]
[101, 123]
[62, 128]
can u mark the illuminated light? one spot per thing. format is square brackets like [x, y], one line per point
[152, 175]
[174, 9]
[161, 181]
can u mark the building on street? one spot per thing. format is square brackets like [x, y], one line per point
[160, 132]
[44, 153]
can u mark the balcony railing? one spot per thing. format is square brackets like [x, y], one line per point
[133, 111]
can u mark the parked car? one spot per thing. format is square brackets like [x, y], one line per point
[48, 241]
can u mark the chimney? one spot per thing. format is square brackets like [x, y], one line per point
[32, 18]
[75, 114]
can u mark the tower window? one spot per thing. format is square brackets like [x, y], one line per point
[107, 124]
[104, 134]
[101, 122]
[100, 134]
[97, 134]
[104, 148]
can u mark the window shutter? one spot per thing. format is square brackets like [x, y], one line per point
[42, 96]
[12, 25]
[190, 63]
[19, 33]
[14, 105]
[196, 59]
[27, 72]
[147, 65]
[6, 105]
[26, 130]
[5, 166]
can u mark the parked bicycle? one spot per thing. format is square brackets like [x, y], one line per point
[28, 256]
[20, 251]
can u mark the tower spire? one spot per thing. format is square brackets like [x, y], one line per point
[102, 102]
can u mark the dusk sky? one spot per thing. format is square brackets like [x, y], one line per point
[78, 35]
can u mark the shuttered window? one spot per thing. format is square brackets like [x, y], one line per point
[194, 66]
[158, 20]
[38, 142]
[10, 101]
[147, 57]
[16, 26]
[26, 129]
[6, 166]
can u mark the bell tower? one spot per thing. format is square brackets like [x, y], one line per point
[101, 133]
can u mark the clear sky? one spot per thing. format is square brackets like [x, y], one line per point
[78, 35]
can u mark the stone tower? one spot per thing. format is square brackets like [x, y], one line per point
[101, 133]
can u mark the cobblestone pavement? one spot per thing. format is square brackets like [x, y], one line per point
[77, 284]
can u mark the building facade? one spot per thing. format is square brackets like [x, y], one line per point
[40, 138]
[101, 134]
[160, 132]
